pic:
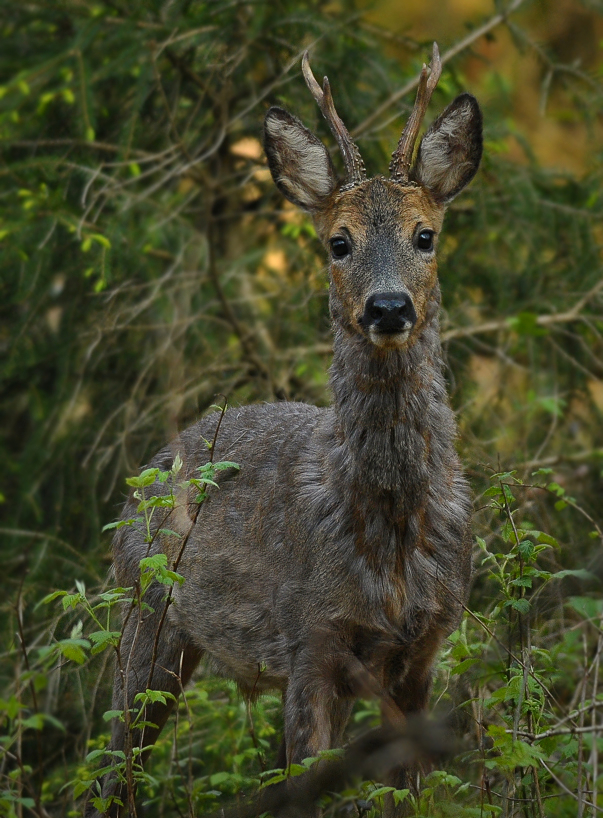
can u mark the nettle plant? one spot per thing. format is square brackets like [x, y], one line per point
[126, 764]
[516, 664]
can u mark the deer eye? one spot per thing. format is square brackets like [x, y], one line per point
[425, 240]
[339, 247]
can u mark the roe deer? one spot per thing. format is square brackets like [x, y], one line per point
[336, 561]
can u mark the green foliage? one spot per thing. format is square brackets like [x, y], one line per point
[146, 262]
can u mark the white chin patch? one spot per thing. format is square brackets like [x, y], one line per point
[389, 340]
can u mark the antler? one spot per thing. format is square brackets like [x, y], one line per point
[399, 167]
[351, 155]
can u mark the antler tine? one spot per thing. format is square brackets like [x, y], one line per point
[399, 167]
[351, 155]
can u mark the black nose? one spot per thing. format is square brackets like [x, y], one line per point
[389, 312]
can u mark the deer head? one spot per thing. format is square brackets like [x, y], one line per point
[381, 233]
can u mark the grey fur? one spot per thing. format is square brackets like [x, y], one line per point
[337, 559]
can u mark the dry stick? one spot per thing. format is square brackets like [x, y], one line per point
[554, 731]
[542, 320]
[190, 784]
[70, 143]
[174, 755]
[567, 789]
[175, 565]
[452, 52]
[180, 555]
[128, 742]
[253, 735]
[212, 447]
[594, 753]
[525, 632]
[21, 636]
[526, 652]
[525, 647]
[136, 603]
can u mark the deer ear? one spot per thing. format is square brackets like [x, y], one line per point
[450, 151]
[300, 164]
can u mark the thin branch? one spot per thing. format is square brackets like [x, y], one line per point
[542, 320]
[494, 21]
[561, 731]
[566, 789]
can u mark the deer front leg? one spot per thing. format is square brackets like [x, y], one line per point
[409, 697]
[315, 714]
[308, 706]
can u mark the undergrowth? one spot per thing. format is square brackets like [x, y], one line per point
[520, 676]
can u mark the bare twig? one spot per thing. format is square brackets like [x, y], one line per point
[463, 44]
[573, 314]
[566, 789]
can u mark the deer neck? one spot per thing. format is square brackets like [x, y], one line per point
[391, 412]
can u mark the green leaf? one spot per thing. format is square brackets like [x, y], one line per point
[493, 491]
[74, 649]
[113, 714]
[177, 464]
[153, 696]
[520, 605]
[219, 778]
[153, 563]
[294, 770]
[145, 478]
[11, 706]
[461, 667]
[586, 606]
[542, 537]
[104, 639]
[100, 239]
[157, 501]
[167, 532]
[51, 597]
[526, 323]
[379, 792]
[72, 600]
[94, 755]
[526, 549]
[579, 573]
[226, 464]
[505, 475]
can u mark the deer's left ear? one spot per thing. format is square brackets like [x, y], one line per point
[450, 152]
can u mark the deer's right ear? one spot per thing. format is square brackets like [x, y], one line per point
[300, 164]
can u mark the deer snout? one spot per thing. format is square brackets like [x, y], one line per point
[388, 314]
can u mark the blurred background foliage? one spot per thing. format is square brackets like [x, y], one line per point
[148, 265]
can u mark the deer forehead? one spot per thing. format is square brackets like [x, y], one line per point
[380, 205]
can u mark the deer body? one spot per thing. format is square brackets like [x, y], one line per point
[334, 563]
